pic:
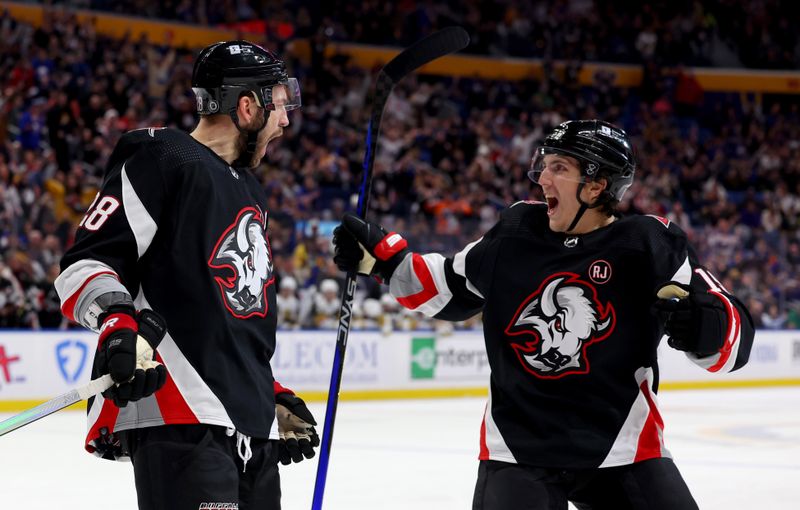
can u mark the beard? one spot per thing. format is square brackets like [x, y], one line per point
[250, 159]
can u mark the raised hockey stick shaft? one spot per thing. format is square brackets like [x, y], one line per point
[60, 402]
[426, 50]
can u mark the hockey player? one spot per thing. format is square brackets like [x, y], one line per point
[575, 301]
[174, 250]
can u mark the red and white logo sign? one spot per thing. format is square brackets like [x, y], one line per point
[5, 366]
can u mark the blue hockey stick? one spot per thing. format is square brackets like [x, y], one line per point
[426, 50]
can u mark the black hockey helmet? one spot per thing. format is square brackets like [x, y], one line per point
[602, 149]
[225, 70]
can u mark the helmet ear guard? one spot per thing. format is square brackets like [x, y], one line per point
[206, 102]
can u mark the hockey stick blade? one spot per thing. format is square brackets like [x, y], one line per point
[438, 44]
[94, 387]
[426, 50]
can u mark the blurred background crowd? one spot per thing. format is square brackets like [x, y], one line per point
[453, 151]
[732, 33]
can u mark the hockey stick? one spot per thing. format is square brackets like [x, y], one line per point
[94, 387]
[426, 50]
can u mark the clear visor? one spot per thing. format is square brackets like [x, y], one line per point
[285, 95]
[271, 97]
[555, 165]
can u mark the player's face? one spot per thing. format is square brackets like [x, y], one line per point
[560, 177]
[278, 119]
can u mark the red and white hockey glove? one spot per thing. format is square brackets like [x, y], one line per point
[367, 247]
[125, 350]
[298, 437]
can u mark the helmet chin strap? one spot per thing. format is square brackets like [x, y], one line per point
[584, 206]
[245, 159]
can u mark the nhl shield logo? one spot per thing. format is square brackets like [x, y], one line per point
[558, 322]
[243, 255]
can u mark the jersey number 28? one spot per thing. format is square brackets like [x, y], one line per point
[98, 212]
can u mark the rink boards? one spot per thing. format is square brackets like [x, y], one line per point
[34, 366]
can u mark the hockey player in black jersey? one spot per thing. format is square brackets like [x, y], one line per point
[575, 301]
[172, 265]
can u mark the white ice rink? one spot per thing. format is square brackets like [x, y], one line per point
[737, 449]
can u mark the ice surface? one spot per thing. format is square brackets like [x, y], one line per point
[737, 449]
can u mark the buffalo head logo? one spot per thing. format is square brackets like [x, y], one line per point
[243, 250]
[563, 316]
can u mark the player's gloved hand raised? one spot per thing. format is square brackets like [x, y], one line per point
[367, 247]
[126, 352]
[298, 438]
[695, 322]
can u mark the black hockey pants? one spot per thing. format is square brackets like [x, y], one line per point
[653, 484]
[195, 467]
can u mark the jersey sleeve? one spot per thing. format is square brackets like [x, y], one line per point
[279, 388]
[676, 261]
[100, 269]
[450, 289]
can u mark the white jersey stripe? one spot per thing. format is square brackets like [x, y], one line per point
[407, 284]
[435, 264]
[460, 266]
[626, 445]
[140, 221]
[684, 273]
[94, 411]
[711, 282]
[498, 449]
[72, 278]
[205, 405]
[80, 284]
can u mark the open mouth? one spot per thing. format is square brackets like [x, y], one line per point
[552, 205]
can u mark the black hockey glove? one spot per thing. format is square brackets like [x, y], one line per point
[367, 247]
[298, 438]
[126, 351]
[695, 322]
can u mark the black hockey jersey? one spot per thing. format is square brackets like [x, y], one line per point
[570, 335]
[185, 234]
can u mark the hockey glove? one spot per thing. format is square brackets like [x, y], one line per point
[298, 438]
[126, 351]
[695, 322]
[367, 248]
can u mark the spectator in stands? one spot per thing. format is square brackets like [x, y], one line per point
[458, 146]
[325, 314]
[288, 304]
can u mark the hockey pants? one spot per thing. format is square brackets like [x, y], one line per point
[653, 484]
[196, 467]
